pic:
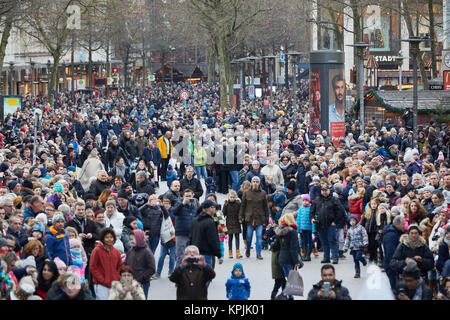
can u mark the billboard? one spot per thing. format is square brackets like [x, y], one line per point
[314, 105]
[10, 105]
[336, 107]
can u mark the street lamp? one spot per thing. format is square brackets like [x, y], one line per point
[361, 46]
[269, 59]
[295, 54]
[400, 59]
[32, 63]
[241, 79]
[11, 75]
[414, 43]
[252, 58]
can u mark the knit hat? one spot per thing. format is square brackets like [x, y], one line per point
[27, 285]
[255, 162]
[366, 180]
[38, 226]
[428, 188]
[256, 178]
[353, 217]
[208, 204]
[27, 184]
[90, 196]
[279, 189]
[140, 237]
[414, 227]
[338, 187]
[74, 243]
[411, 269]
[57, 217]
[71, 168]
[316, 178]
[122, 194]
[42, 217]
[291, 185]
[12, 184]
[29, 262]
[65, 209]
[306, 197]
[380, 185]
[58, 187]
[385, 205]
[441, 156]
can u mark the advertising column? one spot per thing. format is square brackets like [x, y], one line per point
[327, 93]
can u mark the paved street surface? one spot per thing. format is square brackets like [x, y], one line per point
[372, 285]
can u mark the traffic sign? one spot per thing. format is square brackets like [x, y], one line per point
[151, 77]
[184, 95]
[282, 57]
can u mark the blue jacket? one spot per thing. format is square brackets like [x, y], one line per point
[238, 288]
[303, 221]
[184, 215]
[154, 155]
[391, 239]
[415, 167]
[301, 178]
[314, 192]
[58, 245]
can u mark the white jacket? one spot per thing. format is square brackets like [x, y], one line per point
[437, 229]
[116, 222]
[275, 172]
[90, 169]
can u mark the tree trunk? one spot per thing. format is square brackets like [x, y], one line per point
[223, 58]
[211, 65]
[432, 40]
[90, 80]
[4, 42]
[54, 76]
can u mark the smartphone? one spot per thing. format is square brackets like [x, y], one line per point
[326, 287]
[192, 260]
[191, 200]
[154, 202]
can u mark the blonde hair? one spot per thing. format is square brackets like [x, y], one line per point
[232, 193]
[288, 218]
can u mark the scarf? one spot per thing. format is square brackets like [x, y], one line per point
[414, 244]
[120, 170]
[284, 167]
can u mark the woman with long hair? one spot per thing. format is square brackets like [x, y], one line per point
[368, 221]
[244, 187]
[416, 212]
[47, 275]
[104, 196]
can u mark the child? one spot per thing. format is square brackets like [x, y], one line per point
[238, 286]
[78, 257]
[231, 213]
[171, 175]
[305, 227]
[356, 203]
[210, 185]
[356, 240]
[278, 198]
[314, 188]
[268, 235]
[219, 219]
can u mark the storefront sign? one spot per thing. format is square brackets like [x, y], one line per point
[447, 80]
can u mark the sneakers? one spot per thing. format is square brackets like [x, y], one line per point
[357, 275]
[156, 276]
[341, 254]
[247, 253]
[259, 257]
[363, 260]
[325, 261]
[335, 261]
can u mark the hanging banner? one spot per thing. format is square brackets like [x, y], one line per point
[81, 84]
[314, 106]
[336, 109]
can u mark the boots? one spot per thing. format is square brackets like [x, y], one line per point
[238, 254]
[230, 254]
[357, 274]
[245, 244]
[341, 254]
[303, 253]
[315, 252]
[307, 254]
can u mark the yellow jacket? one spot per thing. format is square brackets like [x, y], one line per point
[163, 148]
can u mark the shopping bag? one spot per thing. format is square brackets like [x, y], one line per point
[167, 230]
[294, 285]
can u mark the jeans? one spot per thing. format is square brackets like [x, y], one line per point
[234, 180]
[357, 257]
[258, 230]
[209, 261]
[153, 242]
[340, 238]
[181, 245]
[101, 292]
[162, 255]
[392, 276]
[329, 241]
[146, 287]
[199, 171]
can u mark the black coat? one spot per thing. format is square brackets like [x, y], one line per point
[130, 210]
[286, 242]
[145, 187]
[231, 213]
[404, 251]
[86, 226]
[194, 184]
[204, 235]
[152, 218]
[327, 210]
[97, 187]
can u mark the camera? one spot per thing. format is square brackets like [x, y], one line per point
[192, 260]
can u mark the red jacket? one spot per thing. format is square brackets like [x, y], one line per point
[355, 206]
[105, 265]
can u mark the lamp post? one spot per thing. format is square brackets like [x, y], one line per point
[400, 59]
[32, 63]
[11, 75]
[360, 46]
[242, 79]
[414, 43]
[48, 79]
[253, 59]
[270, 65]
[295, 54]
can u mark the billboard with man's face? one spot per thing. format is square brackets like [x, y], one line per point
[336, 108]
[314, 98]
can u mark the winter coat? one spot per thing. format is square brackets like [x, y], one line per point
[113, 153]
[251, 173]
[301, 179]
[288, 172]
[161, 144]
[141, 259]
[191, 282]
[231, 213]
[391, 239]
[145, 187]
[194, 184]
[184, 215]
[130, 210]
[303, 221]
[404, 251]
[342, 292]
[60, 295]
[170, 195]
[116, 222]
[277, 270]
[355, 206]
[327, 210]
[443, 255]
[105, 265]
[238, 288]
[85, 226]
[58, 245]
[89, 169]
[275, 172]
[204, 235]
[370, 224]
[97, 187]
[117, 292]
[356, 238]
[199, 157]
[287, 243]
[254, 208]
[292, 204]
[152, 155]
[152, 218]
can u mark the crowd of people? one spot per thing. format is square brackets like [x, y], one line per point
[83, 206]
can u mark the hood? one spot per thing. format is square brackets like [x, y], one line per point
[390, 228]
[282, 230]
[140, 238]
[237, 265]
[405, 240]
[203, 215]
